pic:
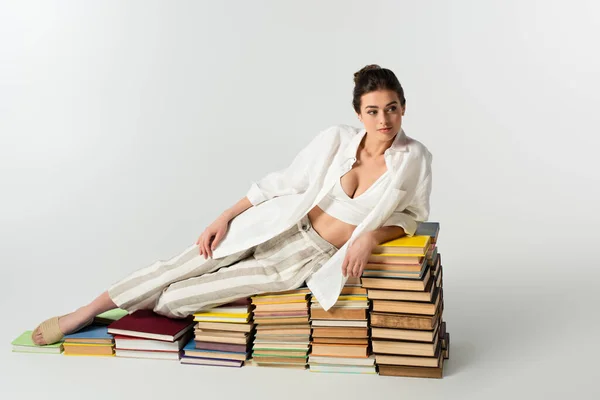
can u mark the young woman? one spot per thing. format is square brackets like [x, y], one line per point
[315, 221]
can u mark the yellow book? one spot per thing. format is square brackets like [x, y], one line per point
[66, 344]
[404, 246]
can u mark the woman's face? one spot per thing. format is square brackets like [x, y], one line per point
[381, 109]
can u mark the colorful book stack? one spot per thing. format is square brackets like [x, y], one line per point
[340, 340]
[24, 344]
[282, 329]
[145, 334]
[405, 288]
[223, 336]
[93, 340]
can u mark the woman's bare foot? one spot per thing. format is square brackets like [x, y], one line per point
[67, 323]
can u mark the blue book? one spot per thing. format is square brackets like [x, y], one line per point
[95, 332]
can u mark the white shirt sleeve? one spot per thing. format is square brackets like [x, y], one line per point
[417, 211]
[291, 180]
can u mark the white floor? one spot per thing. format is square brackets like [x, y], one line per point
[534, 339]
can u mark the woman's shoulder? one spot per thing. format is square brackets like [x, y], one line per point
[418, 148]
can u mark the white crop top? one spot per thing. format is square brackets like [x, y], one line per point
[353, 211]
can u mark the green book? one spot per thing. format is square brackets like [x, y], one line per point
[24, 344]
[110, 316]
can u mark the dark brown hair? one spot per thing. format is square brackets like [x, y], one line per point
[371, 78]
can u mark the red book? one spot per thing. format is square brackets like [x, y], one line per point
[149, 325]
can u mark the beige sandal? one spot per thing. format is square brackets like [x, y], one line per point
[50, 331]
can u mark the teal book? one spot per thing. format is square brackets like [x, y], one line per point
[24, 344]
[431, 229]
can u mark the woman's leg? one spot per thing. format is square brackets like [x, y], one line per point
[79, 318]
[281, 263]
[139, 290]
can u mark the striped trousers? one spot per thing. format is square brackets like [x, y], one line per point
[188, 283]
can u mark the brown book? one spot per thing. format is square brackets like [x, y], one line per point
[409, 307]
[412, 361]
[401, 347]
[275, 353]
[405, 334]
[342, 350]
[281, 320]
[282, 326]
[446, 345]
[340, 332]
[320, 340]
[339, 313]
[353, 290]
[229, 334]
[416, 372]
[225, 326]
[285, 331]
[398, 283]
[281, 307]
[396, 260]
[206, 337]
[298, 299]
[406, 295]
[406, 321]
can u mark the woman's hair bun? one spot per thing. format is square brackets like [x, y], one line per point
[370, 67]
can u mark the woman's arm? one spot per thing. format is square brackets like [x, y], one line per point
[237, 209]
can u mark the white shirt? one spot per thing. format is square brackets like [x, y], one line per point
[353, 211]
[282, 198]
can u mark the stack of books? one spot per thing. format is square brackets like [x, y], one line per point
[223, 336]
[93, 340]
[145, 334]
[340, 339]
[282, 329]
[24, 344]
[405, 289]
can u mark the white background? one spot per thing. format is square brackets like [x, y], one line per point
[128, 126]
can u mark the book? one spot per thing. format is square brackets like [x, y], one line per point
[405, 347]
[411, 361]
[210, 361]
[398, 283]
[134, 343]
[226, 326]
[364, 362]
[431, 229]
[339, 313]
[341, 332]
[339, 350]
[408, 295]
[405, 321]
[339, 323]
[107, 317]
[149, 354]
[24, 344]
[91, 334]
[147, 324]
[405, 334]
[410, 307]
[415, 372]
[405, 245]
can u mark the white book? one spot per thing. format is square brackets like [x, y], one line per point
[364, 362]
[158, 355]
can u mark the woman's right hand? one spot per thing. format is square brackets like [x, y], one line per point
[212, 235]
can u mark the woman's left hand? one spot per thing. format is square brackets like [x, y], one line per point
[358, 254]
